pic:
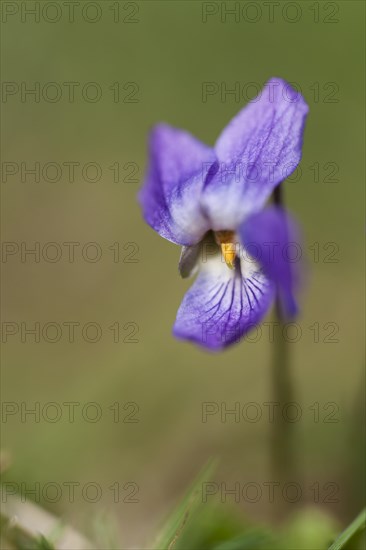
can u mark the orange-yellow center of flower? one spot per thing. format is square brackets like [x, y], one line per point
[226, 240]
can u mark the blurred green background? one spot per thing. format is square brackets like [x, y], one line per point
[169, 52]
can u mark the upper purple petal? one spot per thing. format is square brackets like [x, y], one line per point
[272, 238]
[222, 305]
[258, 149]
[170, 196]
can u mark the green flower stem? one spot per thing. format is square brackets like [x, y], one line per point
[283, 394]
[282, 448]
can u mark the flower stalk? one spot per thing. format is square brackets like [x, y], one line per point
[282, 444]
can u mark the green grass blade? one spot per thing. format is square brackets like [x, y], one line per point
[357, 526]
[184, 511]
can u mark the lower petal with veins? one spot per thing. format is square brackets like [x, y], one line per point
[222, 305]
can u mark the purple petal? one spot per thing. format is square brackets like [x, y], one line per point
[222, 306]
[259, 148]
[170, 196]
[272, 238]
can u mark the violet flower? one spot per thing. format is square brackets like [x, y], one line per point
[212, 202]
